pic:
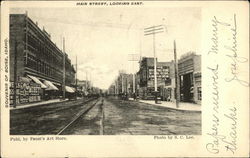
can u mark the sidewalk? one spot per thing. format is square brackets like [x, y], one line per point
[172, 105]
[38, 104]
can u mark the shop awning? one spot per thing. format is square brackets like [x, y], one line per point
[24, 79]
[36, 80]
[69, 89]
[50, 85]
[57, 84]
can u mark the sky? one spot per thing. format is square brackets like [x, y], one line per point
[103, 38]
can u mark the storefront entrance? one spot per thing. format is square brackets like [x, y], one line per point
[186, 88]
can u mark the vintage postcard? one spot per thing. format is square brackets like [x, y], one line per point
[125, 79]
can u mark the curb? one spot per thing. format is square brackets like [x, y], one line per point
[20, 108]
[171, 107]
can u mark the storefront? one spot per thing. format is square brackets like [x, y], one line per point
[26, 90]
[70, 92]
[51, 92]
[189, 68]
[43, 86]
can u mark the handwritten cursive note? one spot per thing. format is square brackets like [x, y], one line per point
[230, 141]
[224, 44]
[236, 60]
[213, 147]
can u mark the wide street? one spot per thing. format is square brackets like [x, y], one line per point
[104, 116]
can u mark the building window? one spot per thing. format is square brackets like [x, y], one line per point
[38, 65]
[31, 62]
[191, 78]
[45, 69]
[199, 93]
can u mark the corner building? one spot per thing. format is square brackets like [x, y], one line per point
[38, 59]
[189, 67]
[146, 80]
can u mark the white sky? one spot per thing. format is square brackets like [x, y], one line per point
[102, 38]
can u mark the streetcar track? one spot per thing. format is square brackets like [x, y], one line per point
[127, 129]
[102, 118]
[50, 107]
[40, 120]
[77, 117]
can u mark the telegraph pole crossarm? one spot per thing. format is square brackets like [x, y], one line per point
[153, 30]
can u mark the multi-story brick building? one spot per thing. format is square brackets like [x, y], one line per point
[37, 57]
[189, 67]
[146, 73]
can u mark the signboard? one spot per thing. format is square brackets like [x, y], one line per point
[25, 92]
[161, 73]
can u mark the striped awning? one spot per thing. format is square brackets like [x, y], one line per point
[36, 80]
[50, 85]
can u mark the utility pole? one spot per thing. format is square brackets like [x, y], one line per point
[122, 83]
[133, 79]
[155, 64]
[126, 84]
[76, 77]
[117, 86]
[86, 83]
[133, 58]
[152, 31]
[15, 74]
[90, 82]
[63, 86]
[177, 89]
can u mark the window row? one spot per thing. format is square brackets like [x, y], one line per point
[42, 67]
[44, 51]
[49, 59]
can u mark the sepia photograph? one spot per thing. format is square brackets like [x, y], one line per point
[124, 79]
[105, 71]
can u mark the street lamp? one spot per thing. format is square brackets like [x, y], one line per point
[152, 31]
